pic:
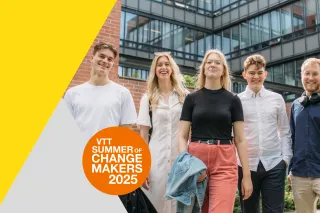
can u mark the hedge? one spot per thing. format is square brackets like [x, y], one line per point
[288, 200]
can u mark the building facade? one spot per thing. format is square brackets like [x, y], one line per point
[285, 32]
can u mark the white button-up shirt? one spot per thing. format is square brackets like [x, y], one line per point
[266, 128]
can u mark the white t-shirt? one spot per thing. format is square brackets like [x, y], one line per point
[97, 107]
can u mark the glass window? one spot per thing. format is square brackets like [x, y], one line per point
[205, 4]
[127, 72]
[191, 2]
[178, 39]
[167, 35]
[144, 75]
[143, 32]
[235, 39]
[224, 4]
[226, 41]
[209, 43]
[189, 42]
[123, 14]
[244, 35]
[270, 74]
[243, 2]
[286, 21]
[200, 42]
[120, 71]
[155, 33]
[310, 14]
[275, 24]
[235, 87]
[201, 4]
[133, 73]
[209, 5]
[298, 15]
[136, 73]
[254, 31]
[235, 4]
[216, 4]
[278, 74]
[318, 10]
[298, 72]
[289, 74]
[264, 27]
[217, 41]
[131, 28]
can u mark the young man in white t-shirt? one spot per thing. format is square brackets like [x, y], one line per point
[100, 102]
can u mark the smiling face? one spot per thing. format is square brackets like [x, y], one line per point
[213, 68]
[255, 76]
[310, 78]
[255, 72]
[163, 68]
[102, 62]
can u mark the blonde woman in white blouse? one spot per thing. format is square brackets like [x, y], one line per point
[166, 94]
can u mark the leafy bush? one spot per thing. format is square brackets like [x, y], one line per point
[288, 200]
[190, 81]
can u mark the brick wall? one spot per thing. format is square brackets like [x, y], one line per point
[110, 32]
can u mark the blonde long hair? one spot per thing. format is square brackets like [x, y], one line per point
[176, 81]
[225, 78]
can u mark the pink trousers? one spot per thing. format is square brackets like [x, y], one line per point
[222, 172]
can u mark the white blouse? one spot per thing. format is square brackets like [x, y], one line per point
[163, 146]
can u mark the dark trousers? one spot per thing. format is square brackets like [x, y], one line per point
[271, 186]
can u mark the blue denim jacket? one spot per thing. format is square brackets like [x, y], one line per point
[182, 183]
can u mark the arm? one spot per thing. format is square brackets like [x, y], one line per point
[128, 110]
[68, 100]
[184, 128]
[185, 124]
[242, 148]
[127, 126]
[144, 121]
[239, 138]
[284, 132]
[144, 133]
[292, 128]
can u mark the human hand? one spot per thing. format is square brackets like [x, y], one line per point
[202, 176]
[289, 180]
[146, 184]
[246, 188]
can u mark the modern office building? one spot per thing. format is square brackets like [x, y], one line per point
[285, 32]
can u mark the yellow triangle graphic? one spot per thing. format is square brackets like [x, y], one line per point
[42, 45]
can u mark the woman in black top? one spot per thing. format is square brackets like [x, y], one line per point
[213, 112]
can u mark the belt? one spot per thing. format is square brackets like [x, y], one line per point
[214, 142]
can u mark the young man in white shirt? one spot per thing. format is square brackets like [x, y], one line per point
[100, 102]
[268, 134]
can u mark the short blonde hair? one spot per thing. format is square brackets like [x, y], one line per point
[176, 81]
[225, 78]
[310, 61]
[257, 60]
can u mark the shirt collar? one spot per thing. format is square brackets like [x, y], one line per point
[251, 94]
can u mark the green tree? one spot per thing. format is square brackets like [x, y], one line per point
[190, 81]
